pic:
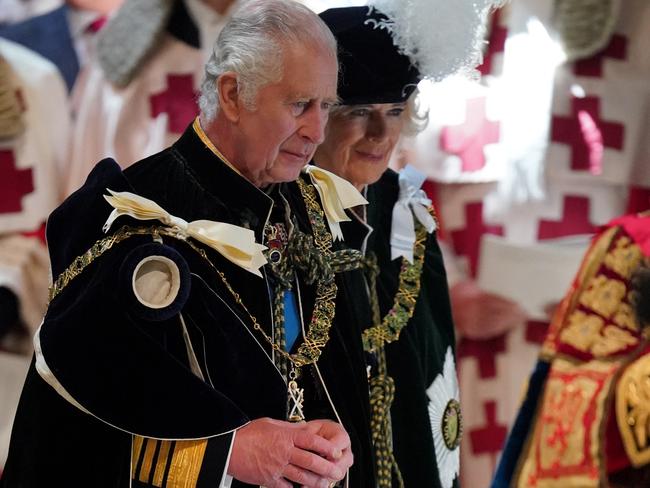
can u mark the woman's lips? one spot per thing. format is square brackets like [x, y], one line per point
[374, 157]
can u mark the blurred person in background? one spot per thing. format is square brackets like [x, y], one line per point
[583, 421]
[525, 165]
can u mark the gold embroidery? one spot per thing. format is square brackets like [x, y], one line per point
[147, 461]
[135, 453]
[624, 258]
[161, 463]
[565, 446]
[613, 340]
[583, 330]
[405, 299]
[633, 410]
[624, 317]
[603, 295]
[588, 269]
[186, 464]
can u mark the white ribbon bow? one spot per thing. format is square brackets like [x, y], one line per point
[412, 201]
[235, 243]
[336, 194]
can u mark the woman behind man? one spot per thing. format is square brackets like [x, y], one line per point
[410, 344]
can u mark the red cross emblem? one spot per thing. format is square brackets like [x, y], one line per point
[496, 44]
[14, 184]
[178, 102]
[587, 134]
[467, 241]
[468, 140]
[575, 220]
[489, 439]
[638, 199]
[593, 66]
[485, 351]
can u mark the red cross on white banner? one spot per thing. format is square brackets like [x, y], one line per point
[496, 44]
[587, 134]
[593, 66]
[178, 102]
[14, 184]
[468, 140]
[489, 439]
[575, 220]
[467, 241]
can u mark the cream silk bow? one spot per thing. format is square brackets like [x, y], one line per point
[412, 201]
[336, 194]
[235, 243]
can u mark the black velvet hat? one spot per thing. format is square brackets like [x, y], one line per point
[372, 69]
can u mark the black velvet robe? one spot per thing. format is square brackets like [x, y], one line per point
[418, 356]
[129, 372]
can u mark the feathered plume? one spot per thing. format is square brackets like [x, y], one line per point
[442, 37]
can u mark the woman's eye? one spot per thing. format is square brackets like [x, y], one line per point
[396, 112]
[361, 112]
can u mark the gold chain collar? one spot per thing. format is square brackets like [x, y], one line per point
[405, 299]
[318, 332]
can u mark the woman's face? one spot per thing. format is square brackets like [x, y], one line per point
[359, 140]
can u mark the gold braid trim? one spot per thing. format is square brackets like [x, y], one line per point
[404, 305]
[100, 247]
[382, 393]
[382, 386]
[318, 333]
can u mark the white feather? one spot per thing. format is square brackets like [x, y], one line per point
[442, 37]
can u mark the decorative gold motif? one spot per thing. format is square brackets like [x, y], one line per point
[565, 448]
[613, 339]
[603, 295]
[624, 258]
[583, 330]
[452, 425]
[633, 410]
[624, 316]
[588, 333]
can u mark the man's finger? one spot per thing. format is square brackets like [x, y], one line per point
[332, 431]
[303, 477]
[346, 460]
[315, 464]
[315, 443]
[280, 483]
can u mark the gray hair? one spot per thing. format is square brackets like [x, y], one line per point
[416, 114]
[250, 45]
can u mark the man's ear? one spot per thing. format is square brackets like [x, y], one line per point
[228, 92]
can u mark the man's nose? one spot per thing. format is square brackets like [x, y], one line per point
[313, 127]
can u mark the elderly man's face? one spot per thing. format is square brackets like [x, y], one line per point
[282, 132]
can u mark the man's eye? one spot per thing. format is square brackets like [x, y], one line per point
[395, 112]
[300, 107]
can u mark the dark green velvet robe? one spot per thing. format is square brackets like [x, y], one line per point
[417, 358]
[131, 374]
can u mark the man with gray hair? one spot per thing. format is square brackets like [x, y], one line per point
[202, 329]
